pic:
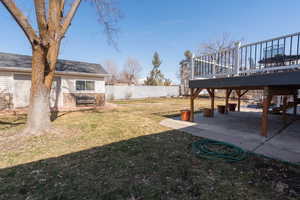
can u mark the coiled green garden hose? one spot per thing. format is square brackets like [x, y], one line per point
[211, 149]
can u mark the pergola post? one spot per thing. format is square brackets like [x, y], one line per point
[266, 103]
[227, 95]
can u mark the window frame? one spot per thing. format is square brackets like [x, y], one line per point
[85, 85]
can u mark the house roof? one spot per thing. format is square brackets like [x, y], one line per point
[16, 61]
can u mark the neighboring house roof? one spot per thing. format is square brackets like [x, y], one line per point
[23, 62]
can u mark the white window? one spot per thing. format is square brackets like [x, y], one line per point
[83, 85]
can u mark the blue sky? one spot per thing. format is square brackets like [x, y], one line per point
[167, 26]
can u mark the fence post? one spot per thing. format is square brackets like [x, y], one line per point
[237, 57]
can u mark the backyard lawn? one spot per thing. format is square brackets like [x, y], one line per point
[123, 153]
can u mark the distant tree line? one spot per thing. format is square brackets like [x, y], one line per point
[130, 73]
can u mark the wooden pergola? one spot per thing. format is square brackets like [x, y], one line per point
[273, 84]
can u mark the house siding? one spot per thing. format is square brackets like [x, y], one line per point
[15, 81]
[70, 93]
[21, 94]
[6, 90]
[6, 82]
[6, 101]
[22, 84]
[68, 84]
[15, 91]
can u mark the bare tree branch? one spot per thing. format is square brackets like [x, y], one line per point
[109, 16]
[130, 73]
[54, 17]
[69, 17]
[40, 10]
[224, 42]
[111, 67]
[62, 5]
[21, 19]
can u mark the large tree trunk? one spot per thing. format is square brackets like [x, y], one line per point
[52, 26]
[38, 120]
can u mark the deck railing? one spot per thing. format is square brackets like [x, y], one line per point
[268, 56]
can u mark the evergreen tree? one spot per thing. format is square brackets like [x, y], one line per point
[156, 77]
[188, 54]
[156, 62]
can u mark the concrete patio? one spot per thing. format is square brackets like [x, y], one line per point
[243, 129]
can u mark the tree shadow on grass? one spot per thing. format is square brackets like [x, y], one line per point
[11, 123]
[55, 113]
[20, 120]
[158, 166]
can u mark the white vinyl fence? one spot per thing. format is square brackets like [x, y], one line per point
[139, 92]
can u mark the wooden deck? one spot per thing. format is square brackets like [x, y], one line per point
[273, 84]
[282, 79]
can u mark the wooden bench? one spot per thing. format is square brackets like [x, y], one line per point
[85, 100]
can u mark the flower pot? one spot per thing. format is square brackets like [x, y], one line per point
[221, 109]
[231, 107]
[207, 112]
[185, 115]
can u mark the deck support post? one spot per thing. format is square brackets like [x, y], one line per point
[240, 94]
[192, 104]
[285, 106]
[227, 95]
[266, 103]
[211, 93]
[295, 99]
[194, 94]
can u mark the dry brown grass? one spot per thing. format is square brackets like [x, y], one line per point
[124, 153]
